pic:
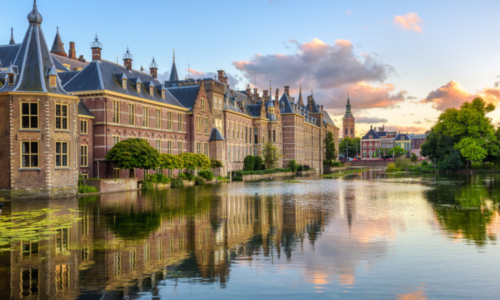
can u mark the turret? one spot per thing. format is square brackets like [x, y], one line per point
[96, 47]
[127, 60]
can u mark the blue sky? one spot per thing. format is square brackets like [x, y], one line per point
[453, 53]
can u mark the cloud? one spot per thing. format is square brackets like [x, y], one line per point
[417, 122]
[370, 120]
[410, 22]
[349, 12]
[315, 64]
[428, 120]
[453, 94]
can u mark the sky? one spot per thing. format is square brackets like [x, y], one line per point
[401, 62]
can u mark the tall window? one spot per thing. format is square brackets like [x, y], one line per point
[206, 127]
[116, 112]
[180, 122]
[29, 115]
[84, 126]
[274, 135]
[61, 116]
[84, 156]
[29, 282]
[246, 134]
[169, 120]
[256, 135]
[180, 146]
[29, 152]
[202, 104]
[62, 154]
[238, 133]
[198, 124]
[158, 119]
[158, 145]
[131, 114]
[116, 139]
[145, 117]
[62, 277]
[198, 147]
[169, 147]
[206, 149]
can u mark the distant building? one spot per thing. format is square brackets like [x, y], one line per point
[349, 122]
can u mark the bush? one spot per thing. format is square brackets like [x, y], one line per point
[300, 168]
[293, 165]
[451, 162]
[258, 164]
[176, 182]
[147, 185]
[414, 158]
[307, 168]
[199, 181]
[337, 164]
[206, 174]
[401, 164]
[182, 176]
[86, 189]
[189, 176]
[425, 163]
[238, 176]
[215, 163]
[249, 163]
[158, 178]
[391, 168]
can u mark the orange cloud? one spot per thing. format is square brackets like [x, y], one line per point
[409, 129]
[410, 22]
[453, 94]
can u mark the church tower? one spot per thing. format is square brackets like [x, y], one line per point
[349, 121]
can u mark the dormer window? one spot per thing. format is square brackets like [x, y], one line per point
[11, 79]
[138, 84]
[52, 74]
[282, 105]
[151, 90]
[124, 83]
[11, 73]
[163, 93]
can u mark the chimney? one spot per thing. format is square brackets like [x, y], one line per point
[255, 92]
[277, 95]
[127, 60]
[287, 90]
[220, 76]
[371, 126]
[96, 47]
[266, 95]
[81, 58]
[72, 51]
[321, 106]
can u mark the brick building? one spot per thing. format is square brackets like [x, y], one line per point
[62, 114]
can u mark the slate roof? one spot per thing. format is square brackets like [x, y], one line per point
[382, 133]
[215, 135]
[8, 54]
[288, 107]
[58, 46]
[315, 106]
[74, 64]
[402, 137]
[173, 73]
[12, 41]
[326, 118]
[33, 61]
[67, 76]
[254, 110]
[300, 102]
[373, 133]
[186, 95]
[83, 110]
[100, 75]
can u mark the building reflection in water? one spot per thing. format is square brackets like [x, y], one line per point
[126, 243]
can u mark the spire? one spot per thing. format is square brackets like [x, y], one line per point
[34, 16]
[12, 42]
[348, 112]
[173, 72]
[58, 46]
[301, 100]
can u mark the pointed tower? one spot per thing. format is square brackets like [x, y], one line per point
[173, 72]
[301, 100]
[12, 42]
[58, 46]
[40, 150]
[349, 121]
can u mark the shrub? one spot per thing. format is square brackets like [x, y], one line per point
[206, 174]
[182, 176]
[337, 164]
[425, 163]
[451, 162]
[401, 164]
[199, 181]
[414, 158]
[258, 164]
[147, 185]
[307, 168]
[237, 176]
[189, 176]
[300, 168]
[249, 163]
[293, 165]
[176, 182]
[86, 189]
[391, 168]
[158, 178]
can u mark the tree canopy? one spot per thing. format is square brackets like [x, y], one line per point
[353, 146]
[270, 155]
[134, 154]
[330, 151]
[171, 162]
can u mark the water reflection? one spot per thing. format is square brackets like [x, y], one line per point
[348, 237]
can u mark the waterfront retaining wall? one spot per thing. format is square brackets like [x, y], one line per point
[113, 185]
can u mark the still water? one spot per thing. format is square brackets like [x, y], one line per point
[366, 236]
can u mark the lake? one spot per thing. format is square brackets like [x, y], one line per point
[365, 236]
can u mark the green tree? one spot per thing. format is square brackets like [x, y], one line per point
[353, 146]
[396, 151]
[202, 161]
[171, 162]
[190, 160]
[133, 154]
[474, 134]
[330, 151]
[270, 155]
[437, 146]
[249, 163]
[215, 163]
[413, 158]
[258, 163]
[293, 165]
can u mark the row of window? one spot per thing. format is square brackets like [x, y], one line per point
[145, 117]
[202, 125]
[239, 131]
[30, 116]
[30, 154]
[202, 148]
[238, 153]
